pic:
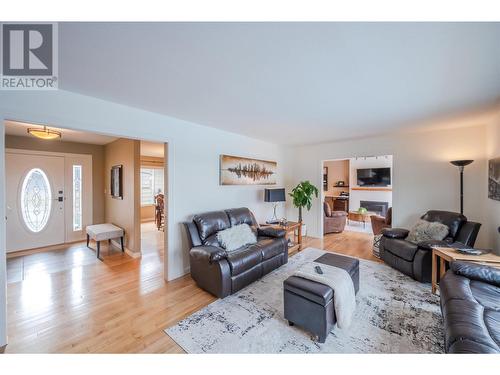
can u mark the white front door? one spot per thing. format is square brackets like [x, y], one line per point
[35, 201]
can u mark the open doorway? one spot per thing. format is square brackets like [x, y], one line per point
[63, 182]
[357, 194]
[153, 201]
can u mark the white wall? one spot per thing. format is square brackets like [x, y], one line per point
[356, 196]
[3, 263]
[193, 154]
[493, 206]
[423, 178]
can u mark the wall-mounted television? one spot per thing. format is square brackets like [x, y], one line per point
[374, 176]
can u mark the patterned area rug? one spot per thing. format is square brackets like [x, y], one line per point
[394, 314]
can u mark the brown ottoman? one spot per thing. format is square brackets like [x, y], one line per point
[309, 304]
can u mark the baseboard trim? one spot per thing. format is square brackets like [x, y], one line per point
[132, 254]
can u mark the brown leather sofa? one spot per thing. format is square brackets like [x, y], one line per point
[333, 221]
[415, 260]
[223, 273]
[380, 222]
[470, 303]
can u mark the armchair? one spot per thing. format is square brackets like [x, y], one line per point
[415, 260]
[333, 221]
[380, 222]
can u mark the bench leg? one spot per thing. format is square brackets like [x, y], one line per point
[88, 240]
[99, 250]
[121, 243]
[291, 324]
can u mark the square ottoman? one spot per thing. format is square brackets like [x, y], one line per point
[102, 232]
[309, 304]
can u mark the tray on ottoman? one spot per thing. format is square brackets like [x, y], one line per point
[309, 304]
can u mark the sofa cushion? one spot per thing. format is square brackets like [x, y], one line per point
[271, 247]
[401, 248]
[244, 259]
[425, 230]
[236, 237]
[452, 220]
[241, 215]
[210, 223]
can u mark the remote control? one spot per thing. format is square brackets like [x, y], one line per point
[318, 270]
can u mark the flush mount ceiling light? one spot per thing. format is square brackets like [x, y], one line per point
[44, 133]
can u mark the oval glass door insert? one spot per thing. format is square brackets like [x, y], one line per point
[36, 200]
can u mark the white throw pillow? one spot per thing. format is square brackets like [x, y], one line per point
[426, 230]
[235, 237]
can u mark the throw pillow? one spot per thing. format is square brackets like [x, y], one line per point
[235, 237]
[425, 230]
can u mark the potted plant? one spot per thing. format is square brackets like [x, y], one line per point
[302, 196]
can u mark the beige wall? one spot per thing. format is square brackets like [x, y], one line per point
[124, 212]
[493, 206]
[97, 152]
[338, 170]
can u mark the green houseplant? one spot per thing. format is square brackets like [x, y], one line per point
[302, 196]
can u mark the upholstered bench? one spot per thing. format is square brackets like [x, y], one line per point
[309, 304]
[102, 232]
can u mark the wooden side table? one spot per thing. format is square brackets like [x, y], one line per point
[290, 227]
[449, 254]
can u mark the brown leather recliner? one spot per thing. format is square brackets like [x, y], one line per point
[380, 222]
[333, 221]
[223, 273]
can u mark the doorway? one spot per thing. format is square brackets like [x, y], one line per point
[361, 187]
[153, 198]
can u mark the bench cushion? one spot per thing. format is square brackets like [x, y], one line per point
[101, 232]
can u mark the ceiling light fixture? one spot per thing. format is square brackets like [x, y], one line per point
[44, 133]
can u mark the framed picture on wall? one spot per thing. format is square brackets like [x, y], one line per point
[117, 181]
[325, 178]
[235, 170]
[494, 179]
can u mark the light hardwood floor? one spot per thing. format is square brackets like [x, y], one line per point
[66, 301]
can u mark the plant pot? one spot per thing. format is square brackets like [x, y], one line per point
[304, 230]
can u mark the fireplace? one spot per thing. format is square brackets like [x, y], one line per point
[380, 208]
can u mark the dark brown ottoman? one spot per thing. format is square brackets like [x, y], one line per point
[310, 304]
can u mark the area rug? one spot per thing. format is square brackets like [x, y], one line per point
[394, 314]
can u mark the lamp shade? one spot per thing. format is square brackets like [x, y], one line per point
[274, 195]
[461, 163]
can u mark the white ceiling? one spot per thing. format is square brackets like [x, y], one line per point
[152, 149]
[21, 129]
[291, 83]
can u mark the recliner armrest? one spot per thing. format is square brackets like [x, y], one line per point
[271, 232]
[479, 272]
[429, 244]
[210, 253]
[398, 233]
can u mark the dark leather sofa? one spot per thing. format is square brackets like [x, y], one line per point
[223, 273]
[470, 303]
[415, 260]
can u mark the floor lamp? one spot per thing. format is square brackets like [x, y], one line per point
[461, 164]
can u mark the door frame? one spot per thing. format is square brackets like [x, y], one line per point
[90, 209]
